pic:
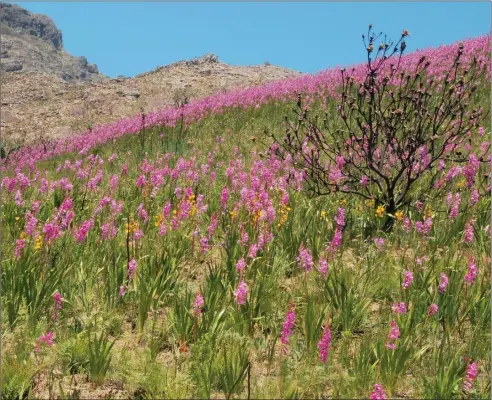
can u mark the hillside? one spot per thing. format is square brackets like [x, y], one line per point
[47, 93]
[42, 105]
[130, 254]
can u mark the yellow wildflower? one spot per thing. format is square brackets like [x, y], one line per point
[399, 215]
[233, 214]
[380, 211]
[370, 203]
[323, 214]
[39, 243]
[17, 218]
[23, 235]
[132, 227]
[257, 216]
[343, 202]
[158, 219]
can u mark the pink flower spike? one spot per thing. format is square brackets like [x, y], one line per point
[399, 308]
[198, 305]
[305, 259]
[408, 279]
[443, 283]
[241, 265]
[132, 267]
[378, 393]
[472, 272]
[241, 292]
[433, 309]
[470, 376]
[324, 344]
[288, 325]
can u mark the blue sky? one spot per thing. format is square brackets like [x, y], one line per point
[128, 38]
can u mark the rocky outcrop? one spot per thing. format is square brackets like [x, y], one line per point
[32, 42]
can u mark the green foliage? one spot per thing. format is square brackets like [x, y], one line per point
[74, 354]
[17, 377]
[99, 348]
[348, 299]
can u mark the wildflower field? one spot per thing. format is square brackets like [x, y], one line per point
[192, 253]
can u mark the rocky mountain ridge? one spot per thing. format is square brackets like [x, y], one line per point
[32, 43]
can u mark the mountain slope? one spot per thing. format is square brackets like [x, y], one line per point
[42, 106]
[47, 93]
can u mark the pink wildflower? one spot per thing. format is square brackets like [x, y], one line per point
[132, 267]
[379, 242]
[443, 283]
[141, 181]
[323, 266]
[288, 325]
[470, 376]
[58, 304]
[399, 308]
[51, 232]
[433, 308]
[47, 339]
[337, 239]
[241, 292]
[224, 196]
[393, 335]
[456, 206]
[406, 225]
[378, 393]
[241, 265]
[472, 272]
[474, 197]
[138, 234]
[324, 344]
[305, 259]
[340, 218]
[364, 181]
[408, 279]
[198, 305]
[253, 251]
[204, 245]
[469, 231]
[20, 244]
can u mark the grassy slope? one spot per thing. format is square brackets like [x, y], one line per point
[360, 316]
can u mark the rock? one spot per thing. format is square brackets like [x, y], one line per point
[22, 21]
[82, 61]
[131, 93]
[206, 59]
[66, 76]
[34, 41]
[12, 66]
[92, 68]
